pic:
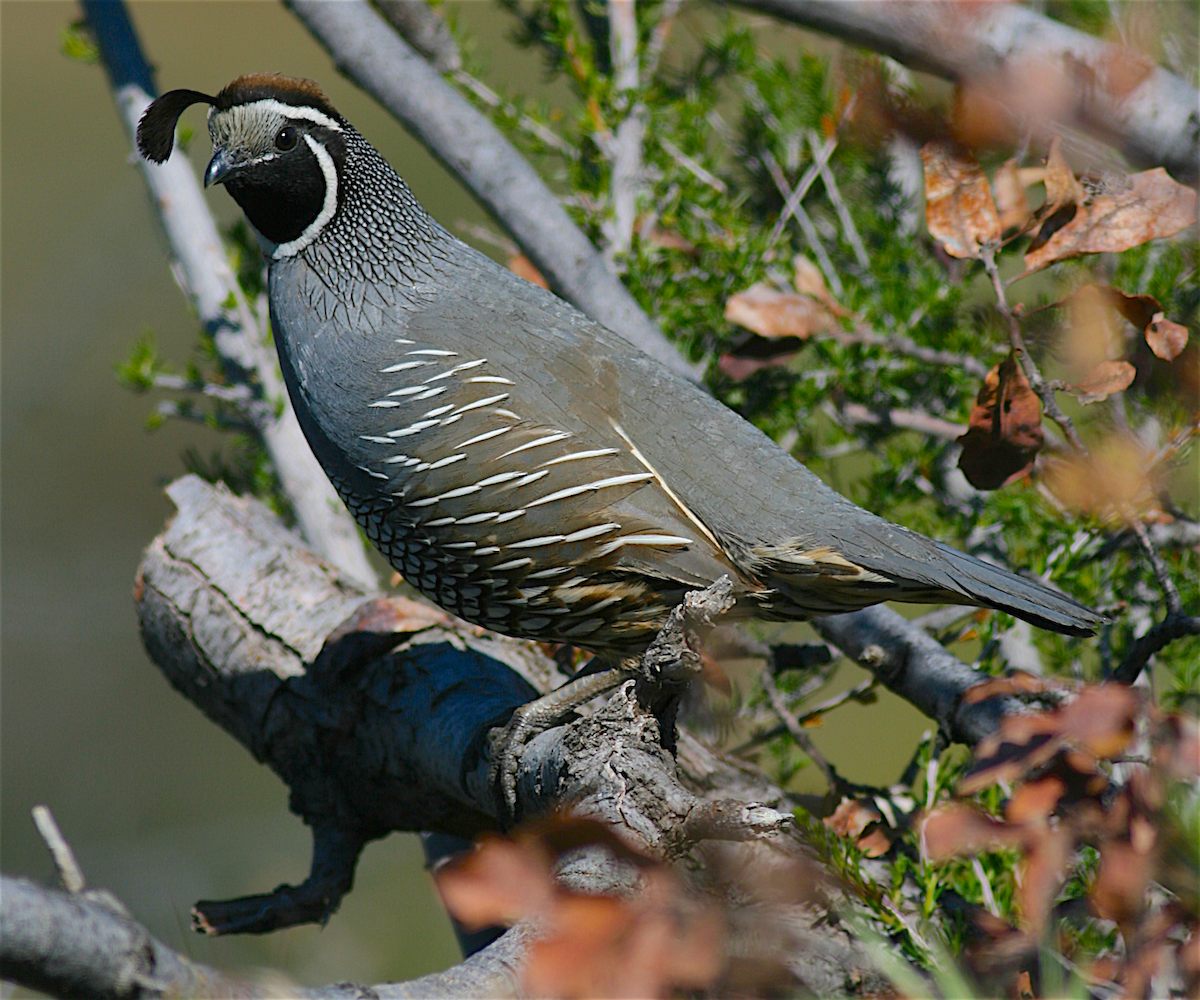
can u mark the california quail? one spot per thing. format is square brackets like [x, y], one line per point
[521, 465]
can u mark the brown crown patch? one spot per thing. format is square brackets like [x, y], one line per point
[289, 90]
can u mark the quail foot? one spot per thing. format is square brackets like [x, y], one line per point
[519, 464]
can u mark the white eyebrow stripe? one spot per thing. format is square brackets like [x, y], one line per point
[572, 491]
[532, 543]
[491, 378]
[403, 366]
[592, 532]
[576, 456]
[466, 365]
[435, 353]
[548, 439]
[486, 401]
[294, 111]
[486, 436]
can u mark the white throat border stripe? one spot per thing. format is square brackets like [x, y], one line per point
[328, 209]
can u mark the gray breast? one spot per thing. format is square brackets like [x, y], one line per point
[501, 486]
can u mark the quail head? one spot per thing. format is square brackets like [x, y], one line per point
[519, 464]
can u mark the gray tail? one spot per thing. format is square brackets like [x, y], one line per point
[993, 587]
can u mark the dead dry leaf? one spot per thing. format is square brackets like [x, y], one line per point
[497, 883]
[739, 367]
[1062, 186]
[1114, 481]
[1005, 431]
[954, 830]
[1106, 378]
[1011, 201]
[959, 209]
[1126, 213]
[774, 314]
[1166, 338]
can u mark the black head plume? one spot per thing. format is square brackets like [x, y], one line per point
[156, 130]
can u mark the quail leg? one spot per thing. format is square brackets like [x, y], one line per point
[508, 743]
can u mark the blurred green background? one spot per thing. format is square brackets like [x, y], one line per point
[162, 807]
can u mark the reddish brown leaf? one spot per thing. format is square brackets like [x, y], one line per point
[1166, 338]
[808, 280]
[1119, 891]
[1042, 876]
[1062, 188]
[1126, 213]
[1106, 378]
[955, 830]
[522, 266]
[737, 367]
[1023, 743]
[390, 616]
[959, 210]
[1011, 202]
[863, 823]
[1101, 719]
[1005, 430]
[1018, 682]
[497, 883]
[771, 313]
[1035, 800]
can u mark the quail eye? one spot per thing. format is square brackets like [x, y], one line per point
[286, 138]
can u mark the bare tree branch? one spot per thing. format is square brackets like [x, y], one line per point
[475, 151]
[1149, 114]
[203, 270]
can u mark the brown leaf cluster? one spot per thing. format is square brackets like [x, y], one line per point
[781, 320]
[861, 821]
[649, 944]
[1063, 797]
[959, 209]
[1116, 214]
[1005, 429]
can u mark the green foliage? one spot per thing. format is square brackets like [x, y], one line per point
[76, 43]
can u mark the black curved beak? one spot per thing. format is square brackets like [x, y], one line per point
[220, 167]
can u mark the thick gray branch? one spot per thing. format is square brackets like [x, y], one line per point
[202, 268]
[87, 946]
[918, 668]
[474, 150]
[1157, 122]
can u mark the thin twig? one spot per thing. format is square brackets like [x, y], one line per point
[1163, 575]
[64, 858]
[1174, 626]
[908, 420]
[1044, 390]
[690, 165]
[794, 727]
[850, 694]
[658, 37]
[546, 136]
[839, 206]
[792, 208]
